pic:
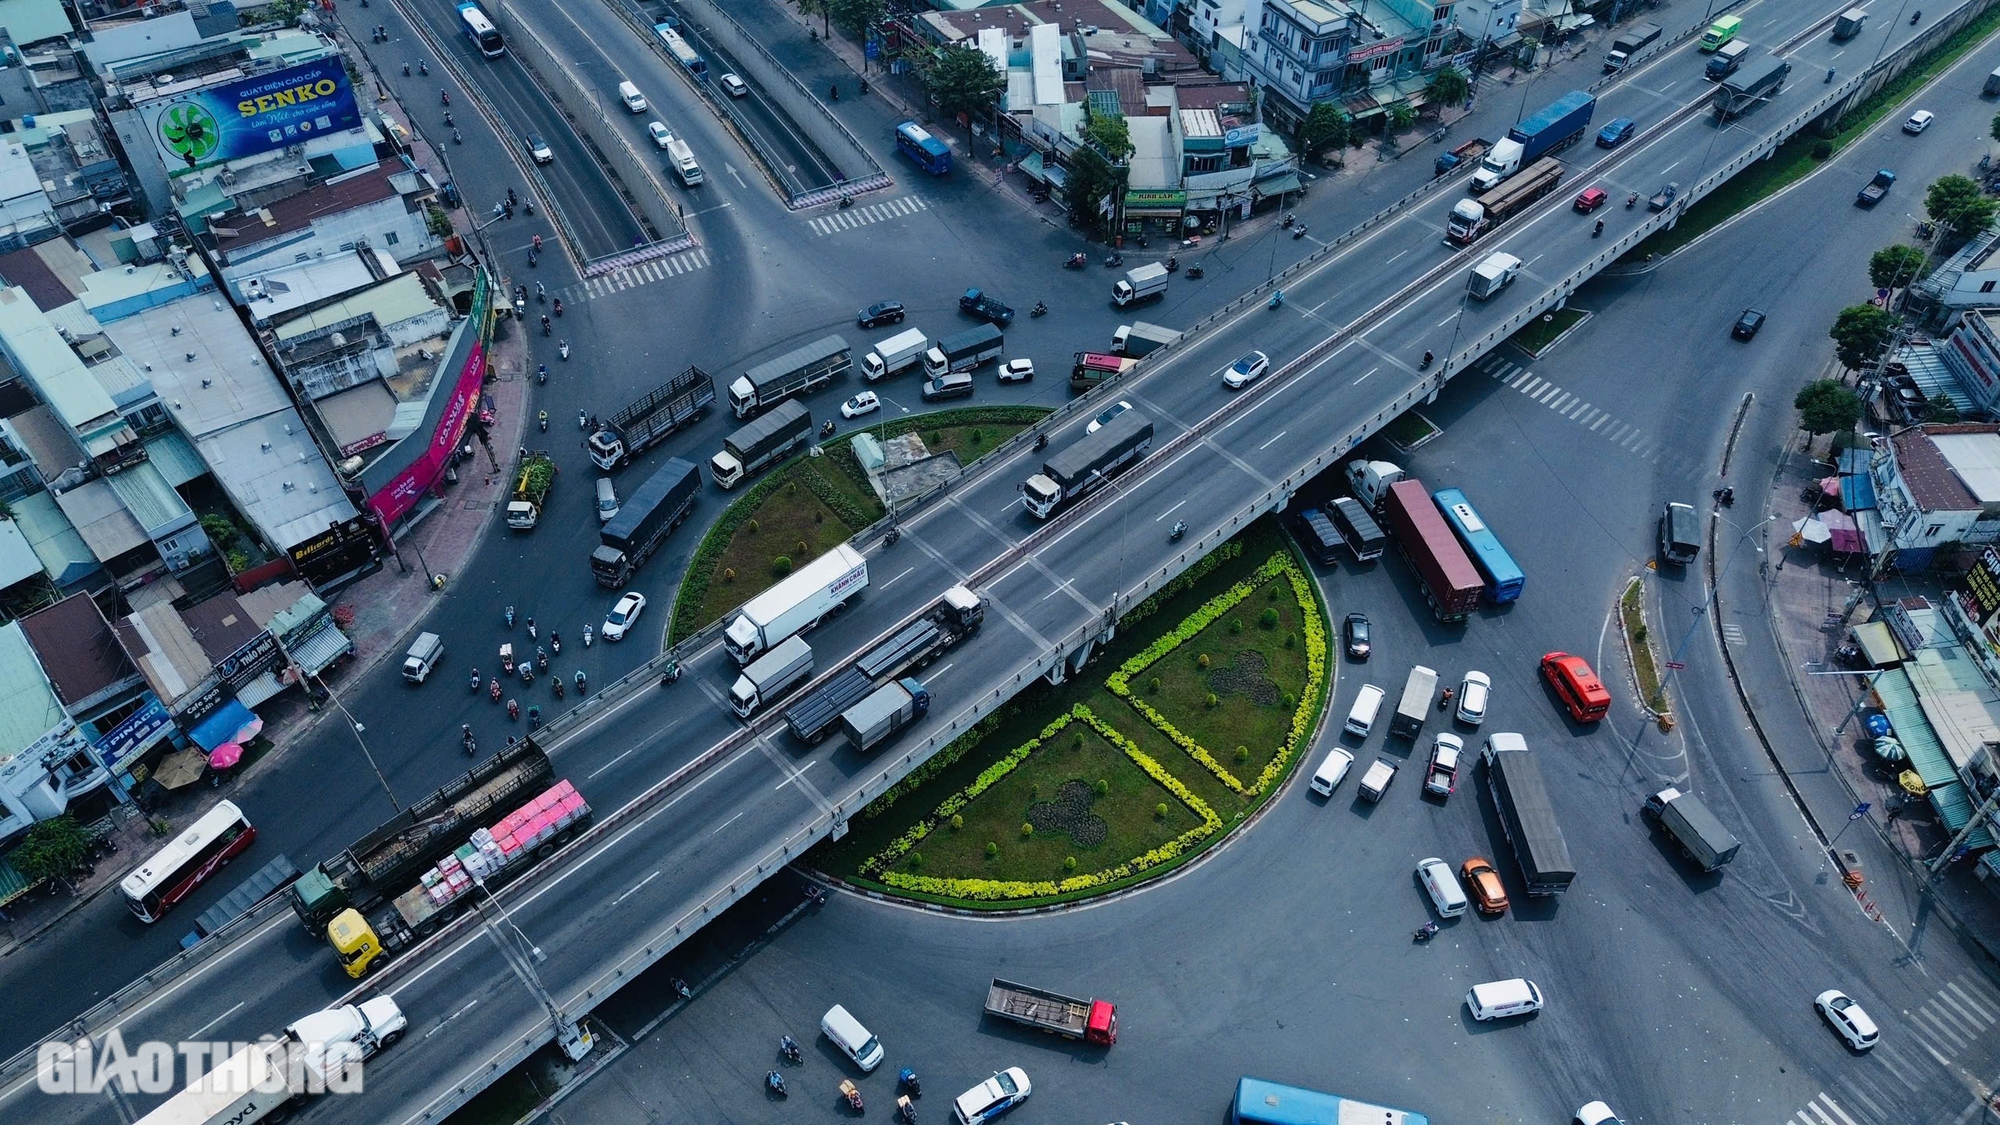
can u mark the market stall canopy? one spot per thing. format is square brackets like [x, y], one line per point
[1811, 530]
[1879, 644]
[1845, 533]
[180, 770]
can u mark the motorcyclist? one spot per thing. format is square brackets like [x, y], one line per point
[587, 635]
[547, 328]
[1039, 309]
[475, 679]
[544, 420]
[581, 682]
[537, 243]
[1427, 360]
[1630, 200]
[1598, 229]
[514, 709]
[541, 292]
[446, 95]
[447, 119]
[833, 92]
[1173, 263]
[558, 306]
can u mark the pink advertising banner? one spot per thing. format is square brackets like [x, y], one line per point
[395, 499]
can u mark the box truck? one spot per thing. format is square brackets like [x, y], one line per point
[796, 604]
[761, 442]
[1146, 283]
[886, 711]
[770, 676]
[1088, 463]
[904, 349]
[644, 521]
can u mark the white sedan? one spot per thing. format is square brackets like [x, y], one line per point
[1472, 693]
[1853, 1024]
[863, 403]
[659, 133]
[1246, 371]
[623, 616]
[1105, 416]
[1919, 121]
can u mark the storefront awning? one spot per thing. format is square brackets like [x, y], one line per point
[222, 726]
[325, 646]
[1927, 755]
[1278, 185]
[1031, 166]
[1879, 644]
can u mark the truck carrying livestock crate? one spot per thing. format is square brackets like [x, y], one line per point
[1072, 1017]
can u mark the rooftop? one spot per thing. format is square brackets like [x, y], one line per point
[205, 365]
[29, 708]
[1949, 468]
[165, 649]
[78, 650]
[100, 517]
[32, 341]
[221, 626]
[63, 553]
[299, 212]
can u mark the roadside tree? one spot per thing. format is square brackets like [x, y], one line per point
[1956, 204]
[1894, 267]
[1860, 333]
[1827, 406]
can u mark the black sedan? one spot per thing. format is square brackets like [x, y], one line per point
[880, 313]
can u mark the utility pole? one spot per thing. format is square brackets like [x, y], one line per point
[522, 955]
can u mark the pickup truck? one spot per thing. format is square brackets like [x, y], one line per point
[1664, 198]
[1877, 188]
[1467, 153]
[992, 310]
[1442, 776]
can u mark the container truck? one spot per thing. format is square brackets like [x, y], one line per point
[666, 408]
[904, 349]
[1091, 368]
[1527, 818]
[1138, 338]
[265, 1081]
[266, 883]
[645, 520]
[798, 603]
[797, 372]
[1363, 535]
[885, 712]
[1701, 837]
[956, 616]
[771, 675]
[1419, 688]
[1756, 81]
[1072, 1017]
[1552, 127]
[1627, 44]
[534, 479]
[1088, 463]
[1146, 283]
[1471, 218]
[487, 857]
[986, 307]
[1370, 481]
[1493, 273]
[1450, 583]
[394, 853]
[963, 351]
[761, 442]
[1849, 24]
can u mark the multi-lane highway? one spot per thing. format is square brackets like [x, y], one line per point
[647, 870]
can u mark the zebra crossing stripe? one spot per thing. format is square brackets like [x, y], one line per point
[1835, 1107]
[1953, 988]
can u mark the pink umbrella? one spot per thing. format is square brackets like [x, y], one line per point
[249, 730]
[225, 755]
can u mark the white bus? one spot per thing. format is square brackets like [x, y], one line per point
[176, 870]
[481, 30]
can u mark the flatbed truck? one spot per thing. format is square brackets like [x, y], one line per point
[1072, 1017]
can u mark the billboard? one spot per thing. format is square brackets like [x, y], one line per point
[207, 127]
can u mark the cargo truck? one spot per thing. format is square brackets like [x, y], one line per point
[904, 349]
[645, 520]
[1471, 218]
[1088, 463]
[963, 351]
[1419, 688]
[395, 853]
[1138, 338]
[1091, 368]
[1527, 818]
[681, 159]
[1725, 61]
[1363, 535]
[1701, 837]
[956, 616]
[797, 372]
[1849, 24]
[666, 408]
[1450, 583]
[1550, 128]
[267, 882]
[1370, 481]
[1376, 781]
[1072, 1017]
[1494, 272]
[985, 307]
[1757, 81]
[1878, 187]
[796, 604]
[265, 1081]
[486, 858]
[761, 442]
[1627, 44]
[885, 712]
[770, 675]
[534, 479]
[1146, 283]
[1317, 536]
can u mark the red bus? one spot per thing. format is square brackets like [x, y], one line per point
[176, 870]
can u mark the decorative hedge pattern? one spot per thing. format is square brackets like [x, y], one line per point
[1279, 564]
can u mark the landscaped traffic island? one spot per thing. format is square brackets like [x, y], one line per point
[1180, 729]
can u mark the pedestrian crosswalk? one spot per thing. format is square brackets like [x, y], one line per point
[645, 273]
[863, 214]
[1823, 1110]
[1595, 421]
[1917, 1063]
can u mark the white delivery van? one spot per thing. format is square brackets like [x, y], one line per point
[1328, 776]
[1361, 716]
[1442, 885]
[633, 99]
[607, 500]
[1500, 999]
[853, 1040]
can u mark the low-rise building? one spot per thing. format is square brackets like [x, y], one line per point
[1936, 485]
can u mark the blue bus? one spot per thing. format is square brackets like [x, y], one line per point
[1270, 1103]
[1503, 576]
[480, 30]
[930, 154]
[682, 53]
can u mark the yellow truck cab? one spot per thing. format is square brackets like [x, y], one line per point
[1720, 32]
[354, 940]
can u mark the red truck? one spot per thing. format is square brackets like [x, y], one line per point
[1072, 1017]
[1451, 584]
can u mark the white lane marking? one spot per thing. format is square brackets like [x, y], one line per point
[612, 762]
[1364, 375]
[942, 671]
[727, 823]
[1448, 319]
[1175, 508]
[196, 1033]
[1670, 167]
[898, 578]
[1399, 254]
[795, 775]
[637, 886]
[1274, 437]
[441, 1023]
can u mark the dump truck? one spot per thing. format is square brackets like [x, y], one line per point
[1450, 583]
[1493, 273]
[1756, 81]
[1548, 129]
[486, 857]
[1138, 338]
[1527, 818]
[644, 521]
[770, 676]
[1627, 44]
[963, 351]
[1362, 534]
[266, 1080]
[661, 411]
[956, 616]
[761, 442]
[1088, 463]
[884, 713]
[1072, 1017]
[1877, 188]
[534, 479]
[797, 372]
[1471, 218]
[1146, 283]
[904, 349]
[1701, 837]
[796, 604]
[266, 883]
[390, 856]
[986, 307]
[1419, 688]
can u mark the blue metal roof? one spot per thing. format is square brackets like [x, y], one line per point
[1927, 755]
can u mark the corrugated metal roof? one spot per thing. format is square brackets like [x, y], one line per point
[17, 559]
[175, 457]
[29, 708]
[42, 355]
[147, 495]
[392, 302]
[64, 554]
[1927, 754]
[100, 517]
[321, 649]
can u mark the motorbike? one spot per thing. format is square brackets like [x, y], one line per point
[1631, 201]
[471, 744]
[448, 123]
[514, 709]
[815, 894]
[1428, 931]
[775, 1082]
[1915, 16]
[1179, 529]
[907, 1078]
[507, 659]
[1040, 309]
[1725, 496]
[681, 987]
[1194, 273]
[532, 634]
[493, 688]
[1115, 260]
[1829, 75]
[587, 635]
[458, 140]
[556, 683]
[670, 673]
[555, 642]
[853, 1094]
[559, 306]
[527, 672]
[833, 92]
[510, 617]
[1041, 442]
[534, 719]
[1444, 701]
[1598, 229]
[1173, 264]
[1298, 232]
[541, 660]
[406, 70]
[446, 96]
[1425, 363]
[826, 428]
[547, 328]
[1075, 262]
[906, 1110]
[477, 679]
[1277, 298]
[582, 685]
[424, 68]
[889, 540]
[1287, 221]
[541, 375]
[543, 418]
[563, 347]
[789, 1047]
[541, 293]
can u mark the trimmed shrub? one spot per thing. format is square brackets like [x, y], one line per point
[992, 850]
[1202, 662]
[1269, 618]
[729, 574]
[1209, 700]
[781, 566]
[1069, 863]
[916, 860]
[1103, 786]
[1027, 830]
[957, 822]
[1153, 685]
[1242, 753]
[751, 527]
[1160, 811]
[1236, 626]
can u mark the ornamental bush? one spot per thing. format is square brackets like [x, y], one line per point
[1160, 811]
[992, 850]
[1269, 618]
[957, 822]
[1235, 626]
[1069, 863]
[1154, 685]
[1027, 830]
[1209, 701]
[1242, 753]
[1202, 662]
[781, 566]
[1103, 786]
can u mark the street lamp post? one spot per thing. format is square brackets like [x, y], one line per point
[522, 956]
[1701, 610]
[359, 729]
